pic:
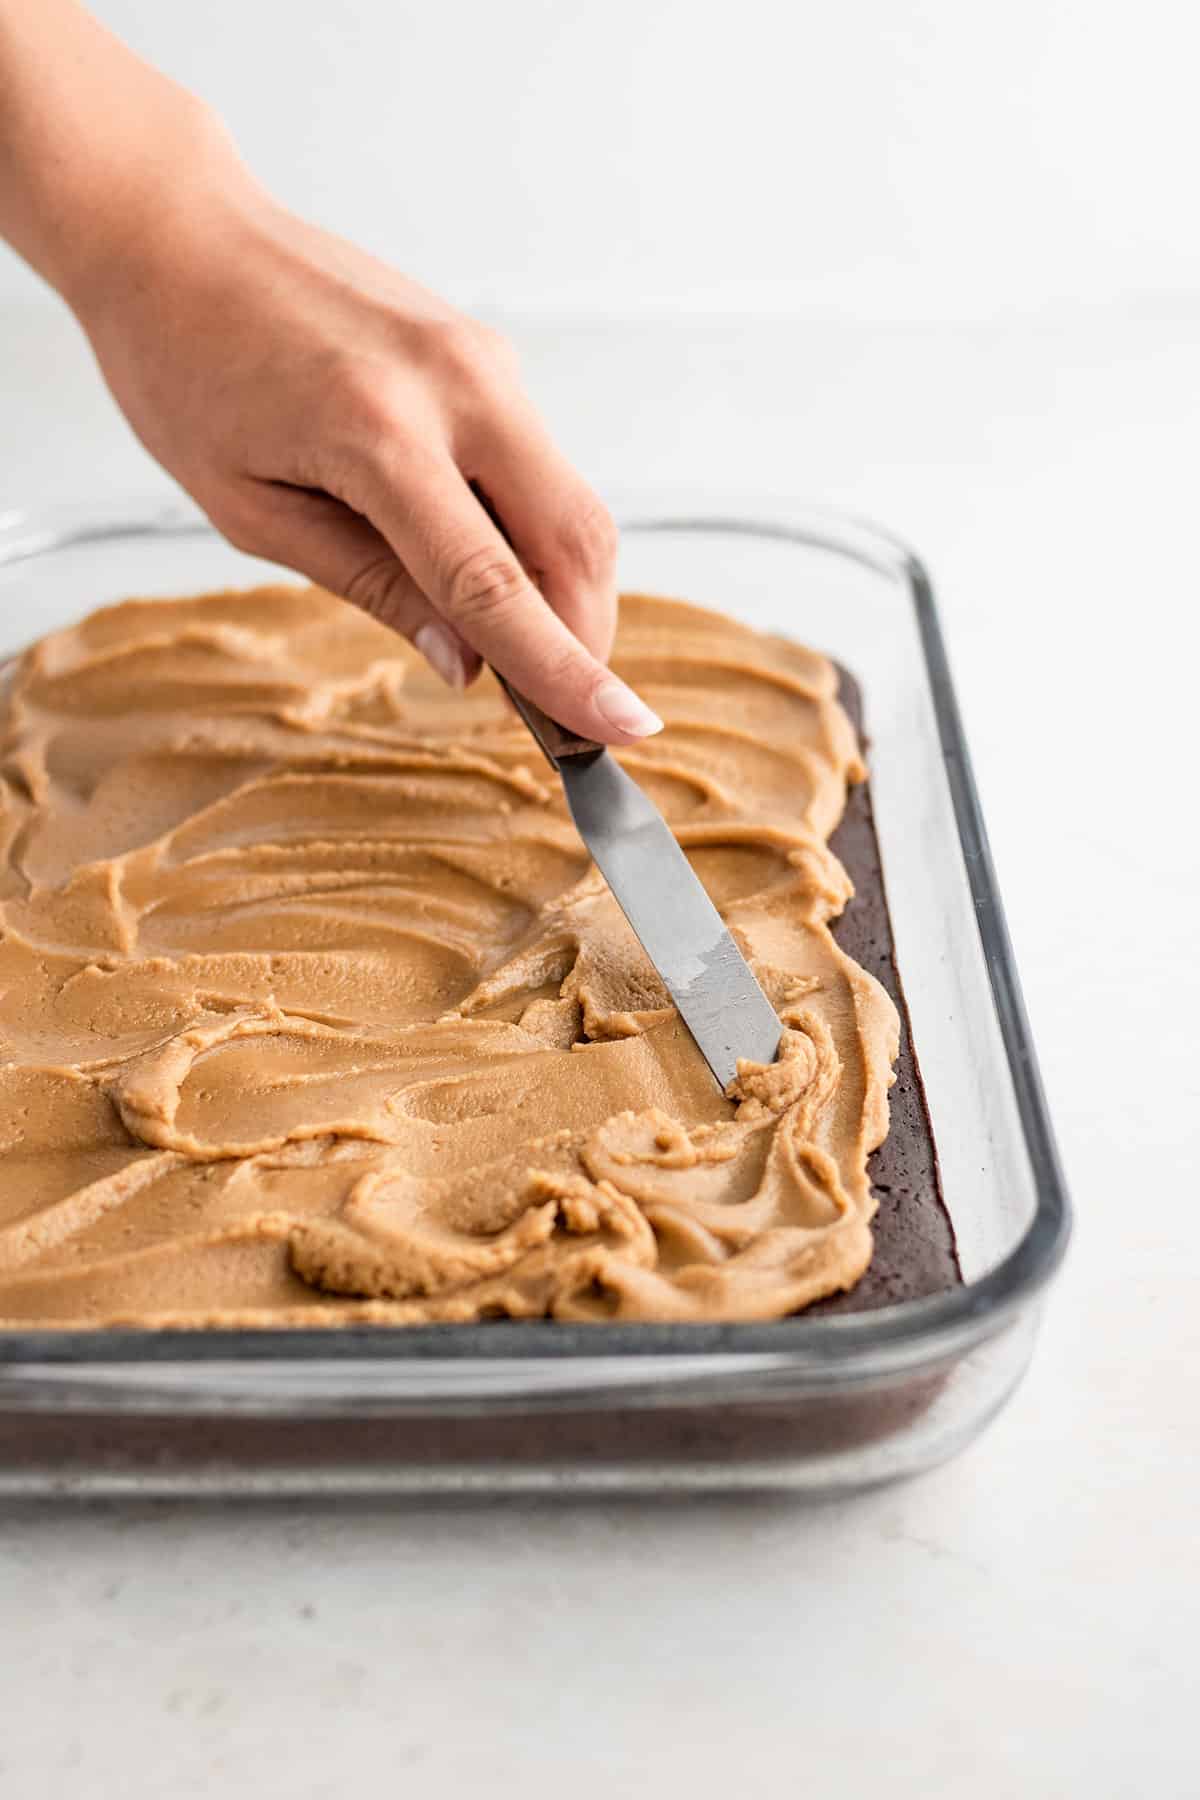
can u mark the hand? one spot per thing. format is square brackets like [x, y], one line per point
[331, 415]
[325, 412]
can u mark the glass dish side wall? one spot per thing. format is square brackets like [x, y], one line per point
[864, 599]
[864, 615]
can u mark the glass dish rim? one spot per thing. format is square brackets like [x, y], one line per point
[851, 1345]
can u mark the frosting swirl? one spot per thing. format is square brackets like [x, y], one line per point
[314, 1010]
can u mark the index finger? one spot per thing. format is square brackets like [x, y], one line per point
[464, 566]
[561, 530]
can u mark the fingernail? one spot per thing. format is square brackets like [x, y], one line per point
[442, 653]
[624, 711]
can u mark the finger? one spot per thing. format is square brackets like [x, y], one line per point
[443, 536]
[341, 551]
[562, 531]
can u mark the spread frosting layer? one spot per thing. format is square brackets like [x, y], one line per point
[313, 1009]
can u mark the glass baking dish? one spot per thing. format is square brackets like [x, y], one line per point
[813, 1404]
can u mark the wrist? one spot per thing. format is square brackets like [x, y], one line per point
[152, 211]
[100, 153]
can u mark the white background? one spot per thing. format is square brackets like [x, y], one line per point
[938, 264]
[932, 158]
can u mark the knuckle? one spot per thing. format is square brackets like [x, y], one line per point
[497, 348]
[455, 343]
[361, 400]
[588, 536]
[353, 406]
[465, 351]
[483, 582]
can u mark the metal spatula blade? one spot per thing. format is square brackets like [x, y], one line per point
[677, 924]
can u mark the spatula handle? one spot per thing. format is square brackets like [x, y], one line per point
[553, 740]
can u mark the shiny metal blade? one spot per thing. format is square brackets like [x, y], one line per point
[680, 929]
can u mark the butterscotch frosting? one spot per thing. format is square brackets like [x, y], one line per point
[313, 1009]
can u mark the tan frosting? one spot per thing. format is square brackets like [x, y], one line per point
[313, 1010]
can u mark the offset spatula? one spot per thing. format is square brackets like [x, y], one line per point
[680, 929]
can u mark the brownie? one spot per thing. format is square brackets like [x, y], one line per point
[915, 1253]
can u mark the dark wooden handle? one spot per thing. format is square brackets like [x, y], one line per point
[554, 740]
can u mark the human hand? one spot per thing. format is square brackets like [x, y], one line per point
[331, 415]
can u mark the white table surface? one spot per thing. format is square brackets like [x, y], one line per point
[1023, 1620]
